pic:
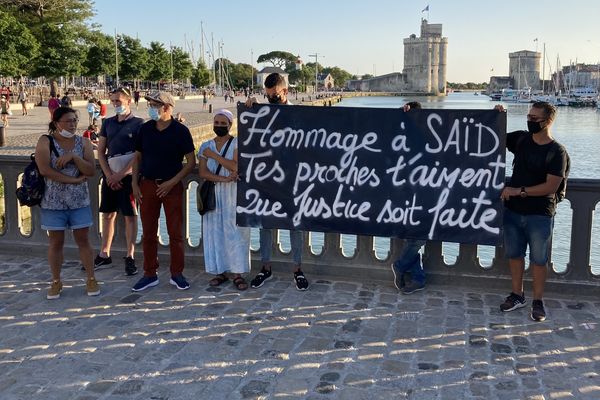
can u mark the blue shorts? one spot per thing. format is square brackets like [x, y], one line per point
[522, 230]
[59, 220]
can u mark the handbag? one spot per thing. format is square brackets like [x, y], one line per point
[205, 193]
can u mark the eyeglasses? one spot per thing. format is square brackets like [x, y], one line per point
[69, 121]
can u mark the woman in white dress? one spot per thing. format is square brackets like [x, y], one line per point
[226, 246]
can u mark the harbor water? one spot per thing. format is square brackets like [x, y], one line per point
[578, 129]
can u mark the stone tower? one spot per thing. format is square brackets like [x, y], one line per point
[524, 69]
[425, 60]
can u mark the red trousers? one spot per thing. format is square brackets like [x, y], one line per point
[149, 214]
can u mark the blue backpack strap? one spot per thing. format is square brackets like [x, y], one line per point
[52, 147]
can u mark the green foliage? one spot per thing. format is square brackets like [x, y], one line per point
[200, 75]
[366, 76]
[467, 86]
[133, 58]
[182, 65]
[339, 75]
[159, 62]
[62, 52]
[100, 56]
[278, 58]
[21, 47]
[241, 74]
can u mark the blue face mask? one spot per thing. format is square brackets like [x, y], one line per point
[121, 109]
[153, 113]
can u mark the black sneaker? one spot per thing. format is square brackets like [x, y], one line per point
[300, 279]
[512, 302]
[538, 314]
[130, 268]
[102, 262]
[260, 278]
[412, 287]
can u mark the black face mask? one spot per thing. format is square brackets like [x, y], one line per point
[221, 130]
[274, 99]
[534, 126]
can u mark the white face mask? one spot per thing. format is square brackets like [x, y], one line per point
[66, 134]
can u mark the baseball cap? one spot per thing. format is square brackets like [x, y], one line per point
[161, 97]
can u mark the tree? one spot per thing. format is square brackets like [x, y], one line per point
[100, 57]
[17, 52]
[200, 75]
[159, 62]
[182, 65]
[133, 58]
[278, 58]
[62, 52]
[41, 12]
[241, 74]
[339, 75]
[366, 76]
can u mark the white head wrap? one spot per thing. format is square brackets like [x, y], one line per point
[228, 114]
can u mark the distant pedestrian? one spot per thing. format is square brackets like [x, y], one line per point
[136, 98]
[161, 145]
[92, 133]
[226, 246]
[53, 104]
[116, 153]
[4, 110]
[530, 200]
[204, 99]
[23, 100]
[276, 91]
[66, 101]
[92, 110]
[66, 201]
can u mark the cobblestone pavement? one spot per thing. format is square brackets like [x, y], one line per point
[338, 340]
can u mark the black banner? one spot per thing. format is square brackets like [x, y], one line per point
[423, 174]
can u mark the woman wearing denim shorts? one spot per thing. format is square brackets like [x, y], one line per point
[66, 201]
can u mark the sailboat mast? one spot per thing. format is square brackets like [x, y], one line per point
[544, 68]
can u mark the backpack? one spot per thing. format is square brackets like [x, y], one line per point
[31, 191]
[561, 192]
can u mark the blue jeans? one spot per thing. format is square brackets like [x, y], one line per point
[266, 240]
[410, 261]
[522, 230]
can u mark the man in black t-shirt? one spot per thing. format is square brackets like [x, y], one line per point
[530, 204]
[161, 145]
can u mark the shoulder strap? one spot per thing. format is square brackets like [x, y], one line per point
[52, 147]
[223, 153]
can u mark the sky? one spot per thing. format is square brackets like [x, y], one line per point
[365, 37]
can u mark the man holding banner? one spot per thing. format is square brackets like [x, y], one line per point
[276, 91]
[530, 202]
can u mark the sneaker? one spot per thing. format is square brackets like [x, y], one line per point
[412, 287]
[144, 283]
[300, 279]
[398, 278]
[538, 314]
[102, 262]
[54, 291]
[92, 288]
[130, 268]
[180, 282]
[263, 276]
[512, 302]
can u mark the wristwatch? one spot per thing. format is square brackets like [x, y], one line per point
[523, 192]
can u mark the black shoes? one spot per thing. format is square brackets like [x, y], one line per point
[263, 276]
[538, 314]
[512, 302]
[130, 268]
[102, 262]
[300, 280]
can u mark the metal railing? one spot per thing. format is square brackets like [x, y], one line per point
[583, 195]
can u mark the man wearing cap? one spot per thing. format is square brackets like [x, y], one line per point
[116, 151]
[161, 145]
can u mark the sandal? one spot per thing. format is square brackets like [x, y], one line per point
[218, 280]
[240, 283]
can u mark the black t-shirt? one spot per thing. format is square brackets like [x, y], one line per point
[163, 151]
[531, 166]
[120, 136]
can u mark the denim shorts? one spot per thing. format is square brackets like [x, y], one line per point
[59, 220]
[522, 230]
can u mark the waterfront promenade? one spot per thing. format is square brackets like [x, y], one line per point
[342, 339]
[347, 337]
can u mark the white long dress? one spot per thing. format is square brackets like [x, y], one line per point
[226, 246]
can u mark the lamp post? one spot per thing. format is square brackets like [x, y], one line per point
[316, 56]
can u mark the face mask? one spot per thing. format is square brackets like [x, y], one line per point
[66, 134]
[534, 127]
[221, 130]
[120, 110]
[153, 113]
[274, 99]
